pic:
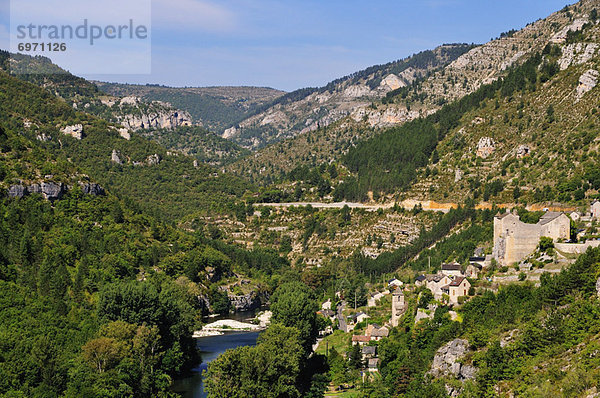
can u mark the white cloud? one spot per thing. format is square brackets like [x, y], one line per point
[192, 15]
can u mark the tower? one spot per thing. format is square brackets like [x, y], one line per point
[397, 306]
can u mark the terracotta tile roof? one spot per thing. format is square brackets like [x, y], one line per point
[457, 281]
[361, 338]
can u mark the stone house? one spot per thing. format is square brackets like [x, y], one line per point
[458, 287]
[376, 332]
[395, 283]
[595, 210]
[374, 298]
[473, 270]
[453, 269]
[435, 284]
[373, 364]
[368, 352]
[359, 317]
[326, 305]
[514, 240]
[360, 339]
[420, 280]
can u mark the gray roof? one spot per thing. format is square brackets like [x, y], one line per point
[369, 350]
[451, 267]
[549, 217]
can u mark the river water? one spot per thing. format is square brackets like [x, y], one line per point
[210, 348]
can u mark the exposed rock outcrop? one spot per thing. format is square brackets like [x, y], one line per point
[17, 191]
[124, 133]
[587, 82]
[34, 188]
[447, 361]
[577, 54]
[153, 160]
[75, 131]
[160, 118]
[485, 147]
[246, 302]
[52, 190]
[114, 157]
[522, 151]
[92, 189]
[43, 137]
[561, 36]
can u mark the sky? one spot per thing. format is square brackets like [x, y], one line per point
[290, 44]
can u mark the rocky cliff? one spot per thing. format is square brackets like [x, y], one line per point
[307, 110]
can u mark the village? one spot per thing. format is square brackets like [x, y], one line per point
[521, 252]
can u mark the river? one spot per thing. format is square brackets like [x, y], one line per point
[210, 348]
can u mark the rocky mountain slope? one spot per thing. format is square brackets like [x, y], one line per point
[574, 53]
[533, 138]
[215, 108]
[312, 108]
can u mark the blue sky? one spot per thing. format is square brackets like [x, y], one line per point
[289, 44]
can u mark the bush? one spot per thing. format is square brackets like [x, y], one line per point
[545, 244]
[522, 276]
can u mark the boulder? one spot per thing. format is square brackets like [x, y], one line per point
[114, 157]
[447, 361]
[17, 191]
[52, 190]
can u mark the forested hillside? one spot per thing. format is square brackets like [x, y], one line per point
[98, 297]
[167, 185]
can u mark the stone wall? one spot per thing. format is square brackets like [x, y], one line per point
[576, 248]
[514, 240]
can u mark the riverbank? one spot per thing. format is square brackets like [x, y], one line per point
[227, 325]
[219, 327]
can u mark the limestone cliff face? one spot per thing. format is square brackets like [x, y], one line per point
[135, 114]
[52, 190]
